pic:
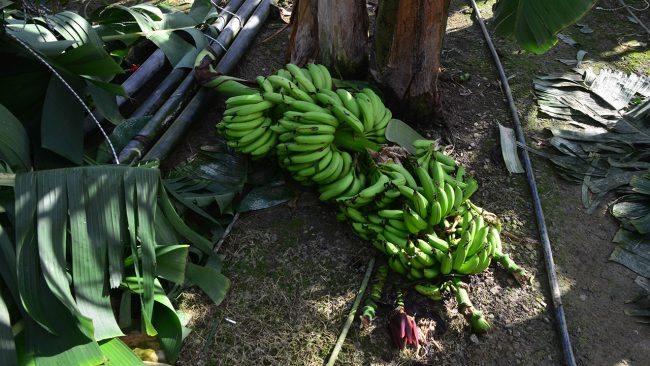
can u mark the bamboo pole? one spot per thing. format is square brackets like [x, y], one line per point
[156, 126]
[179, 127]
[135, 148]
[353, 311]
[153, 64]
[160, 95]
[245, 38]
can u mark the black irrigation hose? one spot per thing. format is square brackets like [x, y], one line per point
[539, 214]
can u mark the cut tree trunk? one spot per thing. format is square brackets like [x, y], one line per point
[408, 45]
[303, 43]
[343, 36]
[336, 31]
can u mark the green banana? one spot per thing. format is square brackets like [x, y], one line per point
[437, 174]
[264, 139]
[265, 84]
[436, 214]
[406, 192]
[320, 117]
[478, 240]
[244, 118]
[346, 162]
[265, 148]
[377, 105]
[410, 181]
[391, 214]
[449, 192]
[390, 248]
[314, 139]
[327, 78]
[316, 76]
[249, 108]
[461, 251]
[333, 190]
[307, 157]
[278, 98]
[458, 198]
[376, 188]
[315, 129]
[397, 223]
[424, 258]
[367, 114]
[484, 260]
[245, 126]
[413, 221]
[325, 99]
[471, 187]
[396, 265]
[240, 100]
[346, 116]
[335, 163]
[425, 247]
[425, 180]
[396, 239]
[438, 243]
[446, 264]
[444, 159]
[497, 238]
[355, 215]
[349, 102]
[420, 204]
[255, 134]
[303, 106]
[469, 266]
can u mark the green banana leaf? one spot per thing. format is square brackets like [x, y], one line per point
[73, 229]
[535, 23]
[14, 143]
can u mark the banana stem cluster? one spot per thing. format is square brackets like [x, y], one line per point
[415, 209]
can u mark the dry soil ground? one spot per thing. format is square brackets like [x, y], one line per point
[295, 269]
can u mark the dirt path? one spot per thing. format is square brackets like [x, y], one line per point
[295, 269]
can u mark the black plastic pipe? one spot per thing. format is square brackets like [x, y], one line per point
[537, 204]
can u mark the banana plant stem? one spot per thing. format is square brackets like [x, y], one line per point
[350, 319]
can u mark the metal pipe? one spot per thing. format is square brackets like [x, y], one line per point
[537, 204]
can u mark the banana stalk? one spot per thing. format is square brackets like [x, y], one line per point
[473, 316]
[369, 311]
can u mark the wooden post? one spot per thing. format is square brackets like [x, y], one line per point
[408, 45]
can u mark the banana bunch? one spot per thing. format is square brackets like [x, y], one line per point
[297, 112]
[414, 209]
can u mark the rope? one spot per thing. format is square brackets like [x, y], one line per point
[647, 5]
[241, 21]
[42, 60]
[215, 40]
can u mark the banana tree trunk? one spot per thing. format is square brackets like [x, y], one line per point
[336, 31]
[343, 36]
[303, 43]
[408, 45]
